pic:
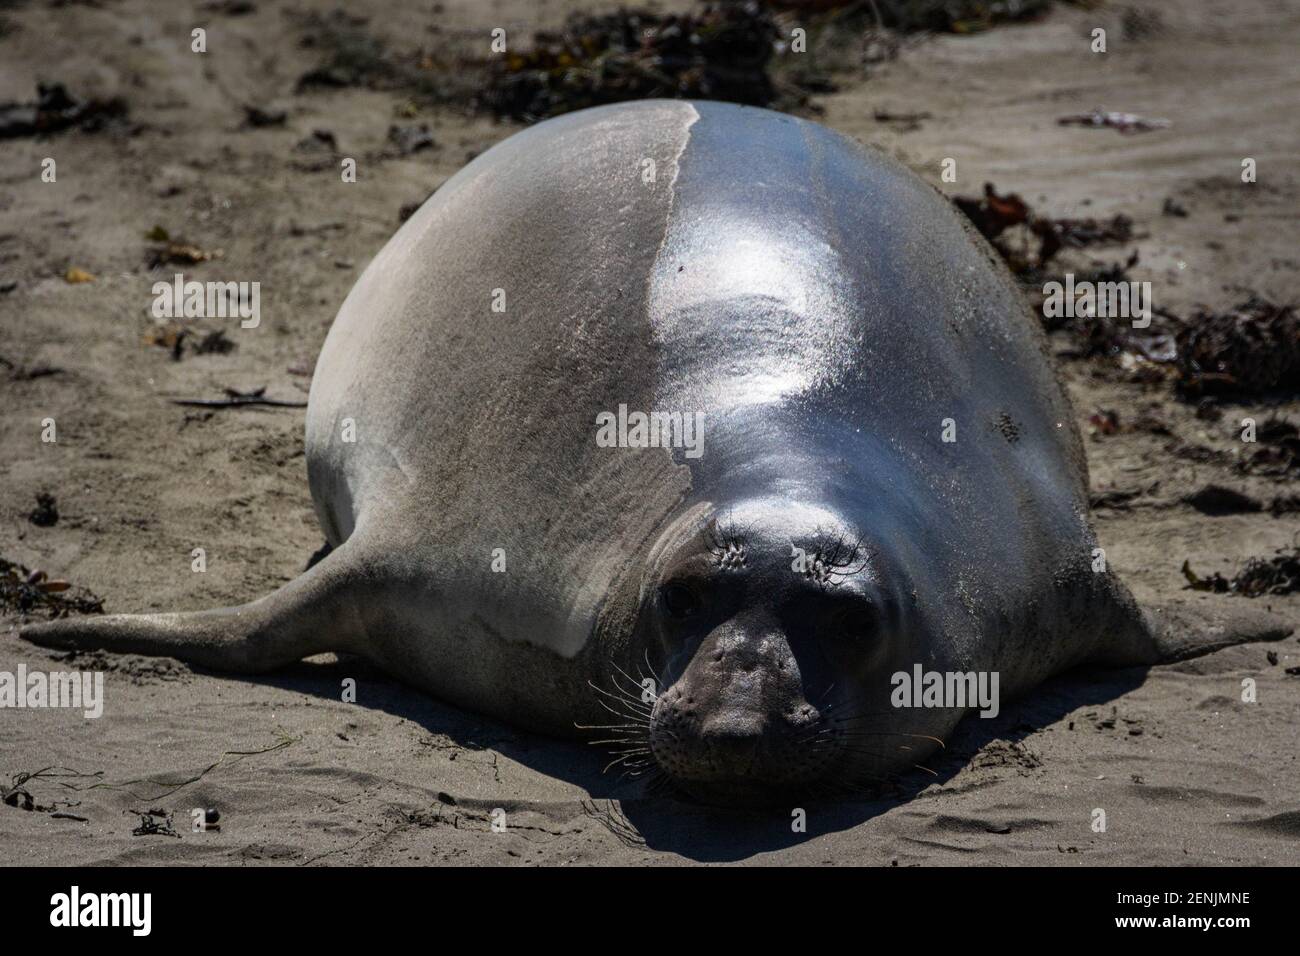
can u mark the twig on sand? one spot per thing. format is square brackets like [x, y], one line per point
[1124, 122]
[283, 740]
[235, 399]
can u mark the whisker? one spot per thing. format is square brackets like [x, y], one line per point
[619, 760]
[619, 740]
[634, 774]
[653, 673]
[616, 713]
[608, 726]
[611, 747]
[621, 698]
[639, 689]
[626, 770]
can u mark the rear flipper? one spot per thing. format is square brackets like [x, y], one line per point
[1183, 629]
[1177, 630]
[315, 612]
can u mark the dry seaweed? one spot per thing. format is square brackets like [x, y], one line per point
[1277, 575]
[956, 16]
[925, 16]
[1012, 227]
[46, 512]
[1104, 334]
[25, 591]
[21, 372]
[168, 250]
[1247, 351]
[1278, 454]
[215, 342]
[239, 399]
[17, 795]
[353, 56]
[170, 336]
[154, 822]
[55, 110]
[992, 213]
[721, 52]
[1284, 505]
[410, 139]
[176, 338]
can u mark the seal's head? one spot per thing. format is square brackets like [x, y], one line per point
[777, 626]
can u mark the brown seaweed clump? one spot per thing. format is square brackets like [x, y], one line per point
[1027, 240]
[1250, 350]
[957, 16]
[721, 52]
[27, 591]
[55, 110]
[1277, 575]
[1278, 454]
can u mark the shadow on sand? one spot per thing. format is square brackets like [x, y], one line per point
[666, 822]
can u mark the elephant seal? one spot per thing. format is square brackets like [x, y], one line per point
[707, 418]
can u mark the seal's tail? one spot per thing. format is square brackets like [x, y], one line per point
[313, 613]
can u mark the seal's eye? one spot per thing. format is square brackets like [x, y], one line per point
[855, 624]
[679, 600]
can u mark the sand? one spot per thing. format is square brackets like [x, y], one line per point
[1185, 772]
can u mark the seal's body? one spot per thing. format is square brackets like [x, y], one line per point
[882, 471]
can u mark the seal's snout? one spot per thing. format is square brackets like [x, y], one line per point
[763, 622]
[721, 751]
[734, 725]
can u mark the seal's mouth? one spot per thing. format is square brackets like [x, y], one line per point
[731, 753]
[669, 741]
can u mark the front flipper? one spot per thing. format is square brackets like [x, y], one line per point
[1180, 629]
[315, 612]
